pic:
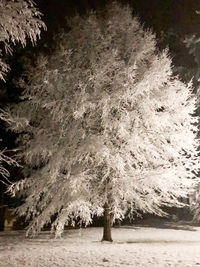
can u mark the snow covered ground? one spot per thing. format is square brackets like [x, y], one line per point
[132, 246]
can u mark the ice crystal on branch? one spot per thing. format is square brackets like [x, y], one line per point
[19, 21]
[105, 122]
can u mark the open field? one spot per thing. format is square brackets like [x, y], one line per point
[132, 246]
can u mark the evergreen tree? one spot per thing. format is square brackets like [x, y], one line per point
[104, 127]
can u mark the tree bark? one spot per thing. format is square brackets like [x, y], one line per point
[107, 224]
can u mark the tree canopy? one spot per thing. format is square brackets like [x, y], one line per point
[19, 20]
[103, 120]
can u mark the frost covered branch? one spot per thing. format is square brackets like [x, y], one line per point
[19, 20]
[105, 122]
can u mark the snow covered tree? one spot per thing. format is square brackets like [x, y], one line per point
[19, 21]
[104, 127]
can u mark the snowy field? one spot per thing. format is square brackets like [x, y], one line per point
[132, 246]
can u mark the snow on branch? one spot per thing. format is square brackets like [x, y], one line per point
[19, 20]
[106, 122]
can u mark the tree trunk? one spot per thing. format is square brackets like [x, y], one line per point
[107, 224]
